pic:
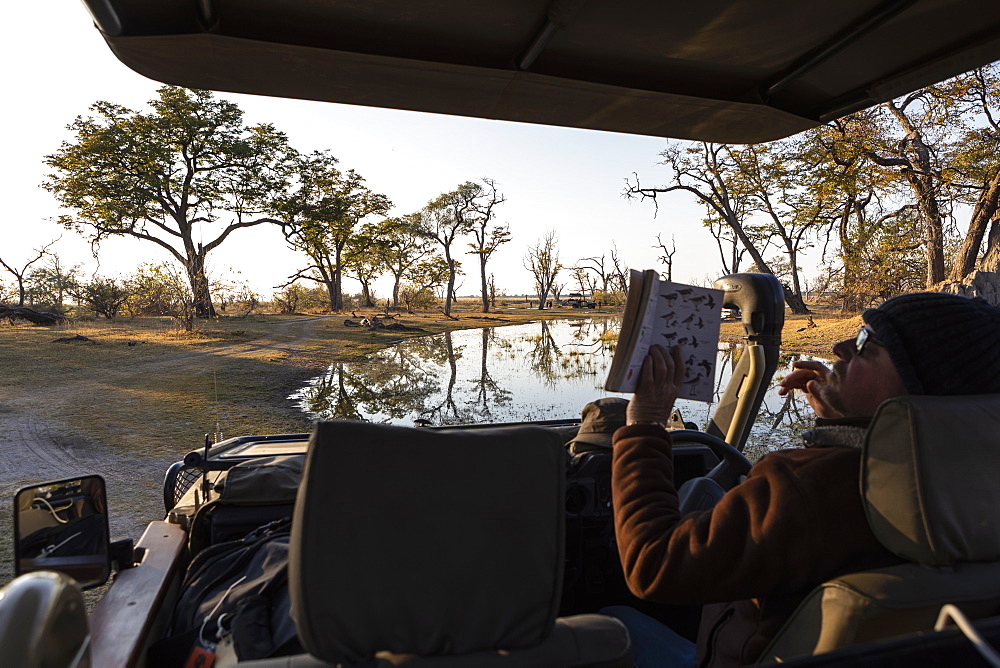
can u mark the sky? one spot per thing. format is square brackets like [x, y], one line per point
[567, 180]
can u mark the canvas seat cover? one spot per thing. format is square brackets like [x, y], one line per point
[930, 480]
[437, 547]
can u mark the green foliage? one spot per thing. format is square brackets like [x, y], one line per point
[297, 297]
[106, 296]
[449, 216]
[400, 246]
[610, 297]
[50, 285]
[425, 277]
[417, 297]
[8, 294]
[320, 216]
[164, 176]
[158, 290]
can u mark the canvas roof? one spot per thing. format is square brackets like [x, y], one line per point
[725, 71]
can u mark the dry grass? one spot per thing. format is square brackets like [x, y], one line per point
[802, 335]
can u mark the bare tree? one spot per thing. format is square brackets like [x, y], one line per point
[619, 272]
[20, 273]
[596, 265]
[584, 281]
[710, 173]
[488, 239]
[542, 261]
[667, 254]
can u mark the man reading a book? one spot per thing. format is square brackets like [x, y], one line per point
[798, 519]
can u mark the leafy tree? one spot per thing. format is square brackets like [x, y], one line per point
[107, 296]
[20, 273]
[52, 283]
[709, 172]
[917, 152]
[424, 278]
[446, 218]
[295, 297]
[779, 184]
[167, 176]
[487, 238]
[320, 216]
[157, 290]
[401, 246]
[364, 261]
[542, 260]
[975, 165]
[705, 171]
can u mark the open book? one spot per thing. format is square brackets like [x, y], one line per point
[670, 314]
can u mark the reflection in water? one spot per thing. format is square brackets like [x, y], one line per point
[539, 371]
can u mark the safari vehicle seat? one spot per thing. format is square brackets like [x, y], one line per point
[424, 547]
[930, 481]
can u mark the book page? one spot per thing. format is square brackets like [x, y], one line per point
[689, 317]
[674, 315]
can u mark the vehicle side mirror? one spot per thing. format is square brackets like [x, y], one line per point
[63, 526]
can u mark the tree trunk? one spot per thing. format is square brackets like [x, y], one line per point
[451, 282]
[796, 291]
[482, 275]
[366, 293]
[338, 286]
[982, 214]
[200, 292]
[794, 301]
[991, 259]
[920, 175]
[331, 293]
[395, 291]
[933, 233]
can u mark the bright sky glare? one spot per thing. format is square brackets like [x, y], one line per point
[553, 178]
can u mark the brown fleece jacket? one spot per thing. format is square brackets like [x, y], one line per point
[795, 522]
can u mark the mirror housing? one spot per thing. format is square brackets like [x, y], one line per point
[63, 526]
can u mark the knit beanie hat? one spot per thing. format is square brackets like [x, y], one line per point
[940, 344]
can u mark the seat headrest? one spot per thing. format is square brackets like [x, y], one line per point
[423, 541]
[930, 478]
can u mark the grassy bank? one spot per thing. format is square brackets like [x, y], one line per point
[814, 334]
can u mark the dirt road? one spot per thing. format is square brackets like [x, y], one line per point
[38, 441]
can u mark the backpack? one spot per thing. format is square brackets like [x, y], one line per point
[238, 588]
[250, 494]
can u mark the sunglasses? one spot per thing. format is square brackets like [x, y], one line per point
[864, 337]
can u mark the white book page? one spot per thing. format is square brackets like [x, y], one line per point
[689, 316]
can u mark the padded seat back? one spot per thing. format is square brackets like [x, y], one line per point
[930, 480]
[427, 542]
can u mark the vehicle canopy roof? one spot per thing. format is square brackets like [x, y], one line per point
[735, 71]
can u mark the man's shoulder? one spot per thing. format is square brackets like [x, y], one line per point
[804, 458]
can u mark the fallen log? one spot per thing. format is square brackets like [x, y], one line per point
[73, 339]
[377, 322]
[13, 313]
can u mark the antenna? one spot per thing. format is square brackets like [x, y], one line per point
[218, 421]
